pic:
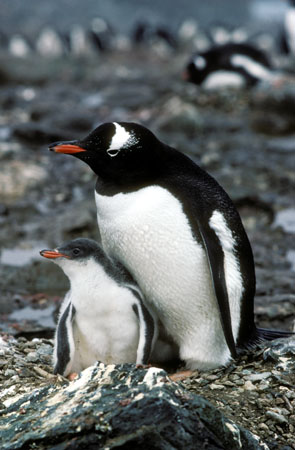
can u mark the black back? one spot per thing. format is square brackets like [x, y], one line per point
[218, 58]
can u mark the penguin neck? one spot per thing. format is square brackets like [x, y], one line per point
[110, 188]
[167, 164]
[88, 277]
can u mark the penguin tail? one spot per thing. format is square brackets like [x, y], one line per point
[260, 335]
[263, 334]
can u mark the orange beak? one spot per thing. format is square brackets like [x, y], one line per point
[185, 75]
[69, 149]
[52, 254]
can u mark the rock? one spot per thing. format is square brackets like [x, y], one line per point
[32, 357]
[286, 220]
[27, 174]
[282, 145]
[182, 116]
[217, 387]
[258, 376]
[276, 417]
[116, 407]
[274, 111]
[282, 352]
[249, 386]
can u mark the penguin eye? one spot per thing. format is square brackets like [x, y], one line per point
[76, 251]
[113, 152]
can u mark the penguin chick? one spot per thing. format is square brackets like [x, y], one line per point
[180, 236]
[103, 316]
[229, 65]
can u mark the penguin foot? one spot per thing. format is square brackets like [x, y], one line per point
[182, 375]
[72, 376]
[143, 366]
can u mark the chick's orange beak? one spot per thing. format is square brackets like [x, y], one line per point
[52, 254]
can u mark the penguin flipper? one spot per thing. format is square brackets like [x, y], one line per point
[215, 257]
[64, 347]
[148, 329]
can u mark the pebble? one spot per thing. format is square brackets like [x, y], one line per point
[249, 386]
[32, 357]
[279, 418]
[216, 386]
[9, 373]
[211, 377]
[263, 426]
[282, 411]
[258, 376]
[45, 350]
[234, 377]
[229, 383]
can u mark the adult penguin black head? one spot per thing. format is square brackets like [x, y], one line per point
[197, 69]
[122, 153]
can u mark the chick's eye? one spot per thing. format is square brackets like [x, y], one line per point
[76, 251]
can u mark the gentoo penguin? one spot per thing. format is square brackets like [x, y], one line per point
[101, 34]
[289, 28]
[230, 64]
[180, 236]
[103, 316]
[145, 33]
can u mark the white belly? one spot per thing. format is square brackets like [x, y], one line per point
[149, 233]
[222, 79]
[109, 334]
[290, 29]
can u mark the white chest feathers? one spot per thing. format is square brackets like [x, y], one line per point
[290, 29]
[223, 79]
[149, 233]
[104, 327]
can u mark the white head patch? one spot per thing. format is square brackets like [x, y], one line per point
[119, 140]
[200, 62]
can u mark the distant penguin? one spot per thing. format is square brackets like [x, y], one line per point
[180, 236]
[141, 32]
[228, 65]
[101, 34]
[49, 43]
[103, 316]
[221, 34]
[145, 33]
[289, 28]
[19, 46]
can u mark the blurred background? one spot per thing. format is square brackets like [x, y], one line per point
[67, 66]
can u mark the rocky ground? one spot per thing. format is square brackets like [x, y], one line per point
[245, 139]
[40, 409]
